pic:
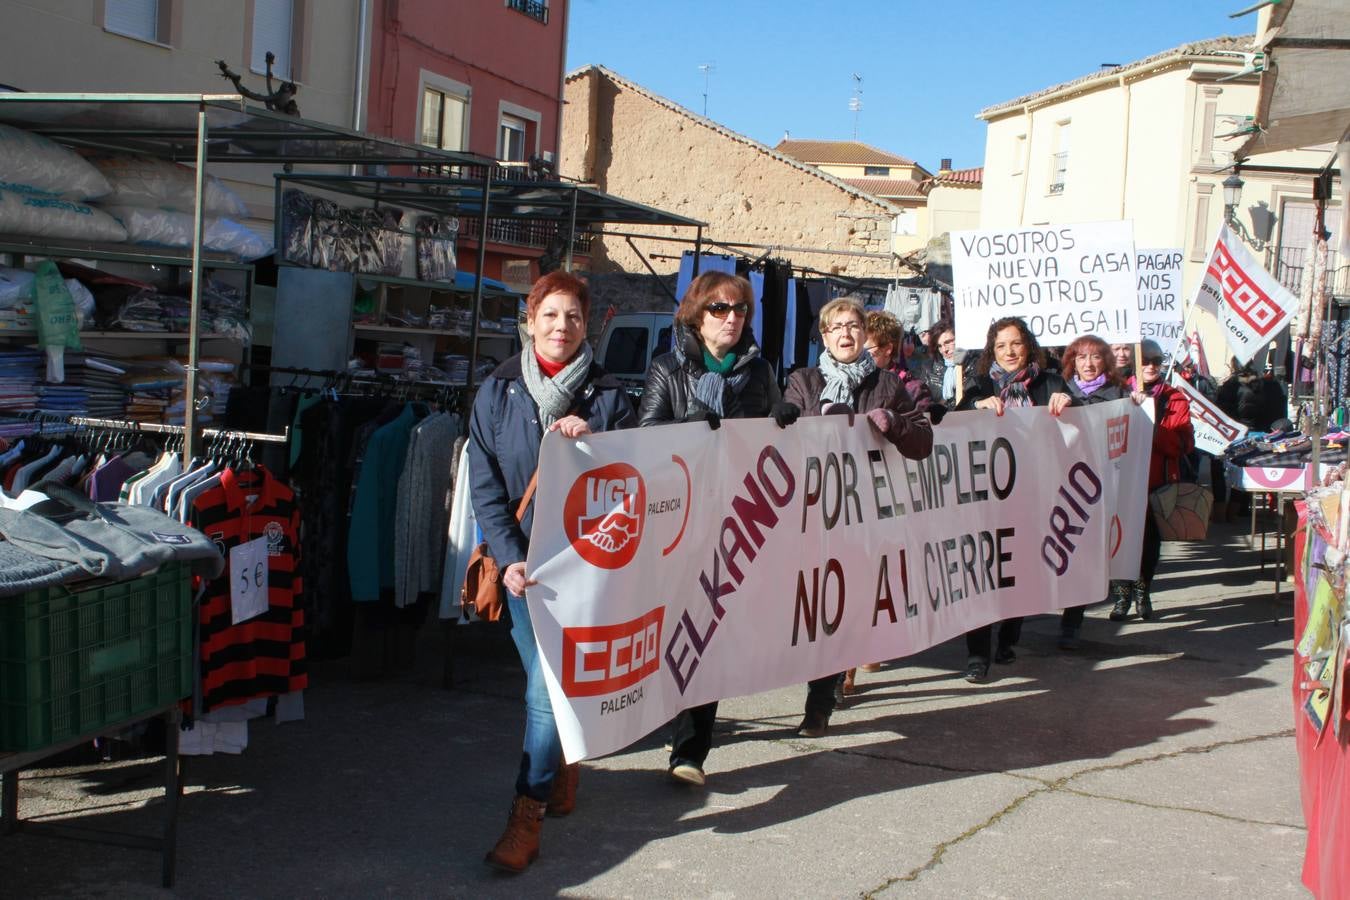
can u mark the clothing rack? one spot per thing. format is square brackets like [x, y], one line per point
[348, 383]
[157, 428]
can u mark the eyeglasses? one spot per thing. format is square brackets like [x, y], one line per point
[1153, 360]
[844, 326]
[722, 310]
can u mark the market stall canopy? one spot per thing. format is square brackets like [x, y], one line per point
[1305, 87]
[165, 126]
[510, 196]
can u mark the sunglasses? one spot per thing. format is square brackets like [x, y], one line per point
[1153, 360]
[721, 310]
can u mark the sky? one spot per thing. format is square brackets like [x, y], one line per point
[927, 69]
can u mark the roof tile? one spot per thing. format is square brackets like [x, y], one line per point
[840, 152]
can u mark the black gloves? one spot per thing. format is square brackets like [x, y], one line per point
[705, 415]
[784, 413]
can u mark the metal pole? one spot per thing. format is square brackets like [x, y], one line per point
[571, 229]
[192, 438]
[478, 275]
[698, 248]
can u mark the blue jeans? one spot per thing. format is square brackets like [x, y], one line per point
[543, 747]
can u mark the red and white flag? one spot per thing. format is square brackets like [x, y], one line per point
[1248, 302]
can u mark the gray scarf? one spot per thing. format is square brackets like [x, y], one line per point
[711, 386]
[842, 379]
[554, 395]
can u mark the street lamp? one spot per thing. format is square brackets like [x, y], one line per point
[1232, 196]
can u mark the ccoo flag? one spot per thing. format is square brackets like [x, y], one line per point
[1250, 304]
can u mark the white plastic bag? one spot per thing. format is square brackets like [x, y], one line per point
[32, 164]
[16, 287]
[51, 217]
[166, 228]
[160, 184]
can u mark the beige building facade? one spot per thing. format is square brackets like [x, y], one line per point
[1152, 142]
[954, 198]
[171, 46]
[641, 146]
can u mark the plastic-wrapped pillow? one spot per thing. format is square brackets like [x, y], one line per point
[166, 228]
[33, 164]
[160, 184]
[40, 215]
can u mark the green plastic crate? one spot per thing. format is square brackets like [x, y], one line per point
[72, 662]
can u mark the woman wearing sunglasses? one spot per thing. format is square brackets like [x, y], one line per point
[847, 380]
[1173, 439]
[714, 372]
[1010, 373]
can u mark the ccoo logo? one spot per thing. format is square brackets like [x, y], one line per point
[603, 515]
[1117, 436]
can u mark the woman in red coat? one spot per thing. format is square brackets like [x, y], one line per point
[1173, 438]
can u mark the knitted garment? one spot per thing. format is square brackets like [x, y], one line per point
[1090, 387]
[842, 379]
[1012, 386]
[711, 385]
[423, 508]
[554, 395]
[949, 380]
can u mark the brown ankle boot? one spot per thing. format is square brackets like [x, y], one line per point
[564, 797]
[519, 844]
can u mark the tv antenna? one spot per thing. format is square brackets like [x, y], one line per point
[706, 69]
[855, 103]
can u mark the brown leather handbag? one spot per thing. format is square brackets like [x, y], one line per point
[483, 591]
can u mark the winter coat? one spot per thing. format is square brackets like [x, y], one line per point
[669, 393]
[1104, 394]
[1254, 400]
[910, 430]
[504, 438]
[1041, 388]
[1173, 436]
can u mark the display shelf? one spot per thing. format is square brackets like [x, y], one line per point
[58, 248]
[126, 335]
[434, 332]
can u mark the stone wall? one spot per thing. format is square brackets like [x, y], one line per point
[627, 292]
[633, 146]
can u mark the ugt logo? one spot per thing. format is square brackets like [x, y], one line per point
[603, 515]
[1117, 436]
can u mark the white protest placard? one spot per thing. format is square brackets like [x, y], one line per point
[1064, 280]
[1161, 309]
[1249, 303]
[678, 565]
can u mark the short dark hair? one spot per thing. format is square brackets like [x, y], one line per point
[1034, 352]
[940, 327]
[707, 286]
[559, 282]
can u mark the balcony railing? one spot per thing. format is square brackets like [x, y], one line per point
[524, 233]
[535, 9]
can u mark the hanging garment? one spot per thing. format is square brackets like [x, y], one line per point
[422, 510]
[708, 262]
[773, 309]
[789, 359]
[265, 655]
[463, 537]
[370, 539]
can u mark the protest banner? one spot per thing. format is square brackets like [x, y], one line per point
[1249, 303]
[679, 565]
[1161, 309]
[1065, 280]
[1214, 429]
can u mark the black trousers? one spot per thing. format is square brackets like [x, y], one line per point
[1072, 617]
[693, 735]
[978, 641]
[1152, 551]
[820, 693]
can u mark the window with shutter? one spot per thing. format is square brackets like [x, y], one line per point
[133, 18]
[274, 30]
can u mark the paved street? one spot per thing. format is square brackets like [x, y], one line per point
[1157, 761]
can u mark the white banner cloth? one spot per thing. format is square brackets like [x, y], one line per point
[1065, 280]
[679, 565]
[1248, 302]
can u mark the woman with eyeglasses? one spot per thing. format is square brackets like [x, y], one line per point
[1009, 374]
[551, 385]
[847, 380]
[713, 372]
[883, 344]
[1090, 364]
[943, 361]
[1173, 438]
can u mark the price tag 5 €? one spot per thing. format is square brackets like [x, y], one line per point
[248, 580]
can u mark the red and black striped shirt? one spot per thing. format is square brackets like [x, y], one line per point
[264, 655]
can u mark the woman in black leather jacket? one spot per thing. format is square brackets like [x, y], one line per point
[715, 371]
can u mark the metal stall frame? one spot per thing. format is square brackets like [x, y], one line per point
[489, 191]
[204, 129]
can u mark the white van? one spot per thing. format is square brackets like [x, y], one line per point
[630, 342]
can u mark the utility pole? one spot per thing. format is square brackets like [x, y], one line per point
[855, 102]
[706, 69]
